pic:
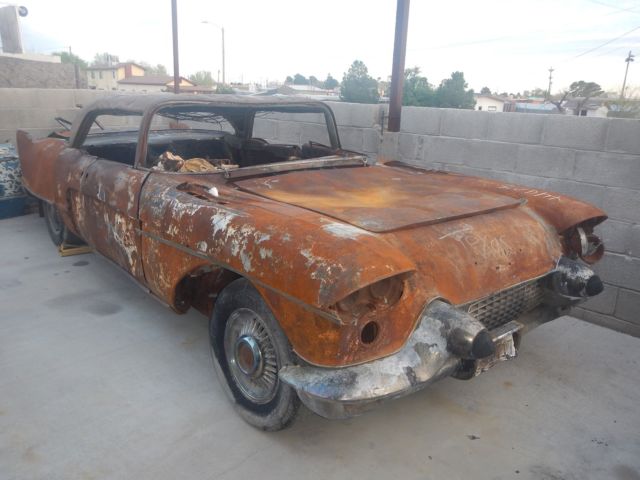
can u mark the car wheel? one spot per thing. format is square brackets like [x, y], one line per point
[248, 349]
[56, 227]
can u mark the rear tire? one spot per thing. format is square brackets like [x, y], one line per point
[248, 348]
[58, 231]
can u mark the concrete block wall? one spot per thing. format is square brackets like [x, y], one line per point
[34, 109]
[22, 73]
[358, 127]
[593, 159]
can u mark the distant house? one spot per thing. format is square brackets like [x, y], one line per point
[154, 83]
[106, 77]
[493, 103]
[535, 107]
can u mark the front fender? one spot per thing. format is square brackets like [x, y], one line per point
[296, 253]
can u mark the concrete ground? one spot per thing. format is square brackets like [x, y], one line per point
[98, 380]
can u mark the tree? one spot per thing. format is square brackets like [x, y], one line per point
[538, 92]
[66, 57]
[330, 83]
[485, 91]
[417, 91]
[220, 88]
[583, 91]
[104, 59]
[559, 99]
[300, 79]
[159, 69]
[289, 79]
[202, 77]
[453, 93]
[358, 86]
[314, 81]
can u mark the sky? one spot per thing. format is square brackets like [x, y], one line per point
[506, 45]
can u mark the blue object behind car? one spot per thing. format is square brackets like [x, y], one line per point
[12, 196]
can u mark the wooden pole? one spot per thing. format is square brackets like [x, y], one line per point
[397, 73]
[176, 62]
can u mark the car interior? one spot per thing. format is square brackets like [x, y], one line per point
[206, 139]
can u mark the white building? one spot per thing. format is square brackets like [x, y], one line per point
[492, 103]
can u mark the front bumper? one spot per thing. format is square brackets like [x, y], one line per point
[444, 343]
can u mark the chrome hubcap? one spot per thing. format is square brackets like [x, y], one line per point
[248, 356]
[251, 356]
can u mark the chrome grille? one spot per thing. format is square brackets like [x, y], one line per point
[507, 305]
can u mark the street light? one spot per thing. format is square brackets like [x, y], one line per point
[222, 30]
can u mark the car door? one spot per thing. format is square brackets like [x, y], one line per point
[108, 212]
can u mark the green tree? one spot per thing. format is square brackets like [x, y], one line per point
[583, 92]
[289, 79]
[585, 89]
[314, 81]
[538, 92]
[485, 91]
[417, 91]
[300, 79]
[358, 86]
[66, 57]
[104, 60]
[453, 93]
[202, 77]
[220, 88]
[330, 83]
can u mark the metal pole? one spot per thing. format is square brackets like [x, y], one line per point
[176, 62]
[629, 59]
[397, 72]
[223, 65]
[550, 78]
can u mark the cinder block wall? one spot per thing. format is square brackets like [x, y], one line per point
[593, 159]
[17, 72]
[358, 127]
[34, 109]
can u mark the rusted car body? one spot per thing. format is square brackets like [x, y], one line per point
[383, 278]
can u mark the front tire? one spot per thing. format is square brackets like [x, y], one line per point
[248, 349]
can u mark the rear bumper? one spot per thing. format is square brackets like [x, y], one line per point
[442, 345]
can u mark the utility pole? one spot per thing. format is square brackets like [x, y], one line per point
[629, 59]
[550, 82]
[176, 62]
[223, 65]
[397, 70]
[223, 51]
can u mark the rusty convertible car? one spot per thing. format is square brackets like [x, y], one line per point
[327, 280]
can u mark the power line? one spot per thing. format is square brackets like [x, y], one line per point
[516, 36]
[629, 9]
[605, 43]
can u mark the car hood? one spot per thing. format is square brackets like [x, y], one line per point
[379, 199]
